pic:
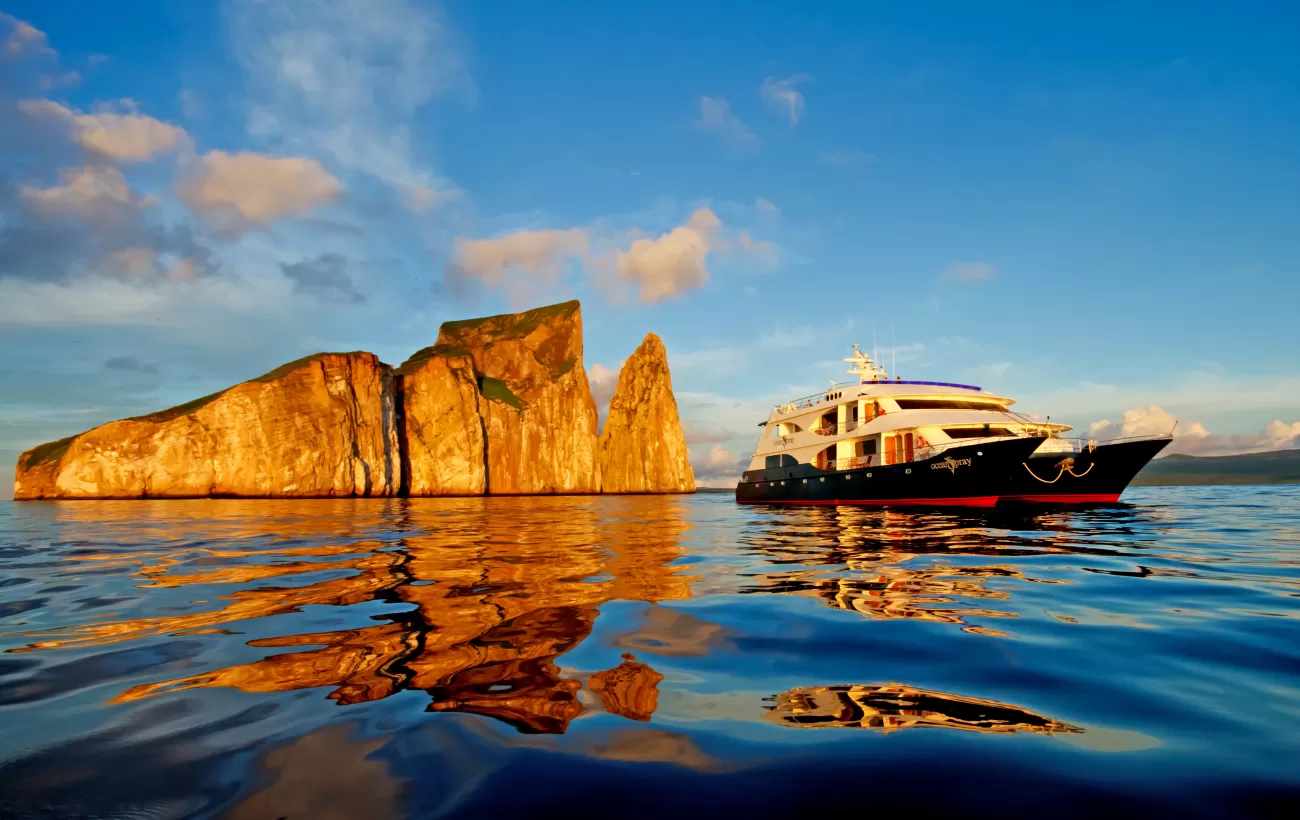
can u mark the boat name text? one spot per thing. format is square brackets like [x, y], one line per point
[950, 464]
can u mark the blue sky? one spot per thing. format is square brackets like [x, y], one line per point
[1092, 209]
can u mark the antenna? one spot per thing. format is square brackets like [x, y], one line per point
[873, 342]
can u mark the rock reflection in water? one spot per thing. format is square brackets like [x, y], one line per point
[496, 600]
[494, 594]
[892, 706]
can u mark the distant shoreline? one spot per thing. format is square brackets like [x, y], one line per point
[1276, 467]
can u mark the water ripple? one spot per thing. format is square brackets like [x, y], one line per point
[482, 657]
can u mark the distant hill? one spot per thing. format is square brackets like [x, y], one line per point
[1278, 467]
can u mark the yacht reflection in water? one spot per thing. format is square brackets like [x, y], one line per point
[894, 706]
[494, 591]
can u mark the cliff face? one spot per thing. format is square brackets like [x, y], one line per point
[320, 426]
[441, 427]
[642, 449]
[538, 415]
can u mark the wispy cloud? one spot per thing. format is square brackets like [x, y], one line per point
[716, 118]
[968, 272]
[783, 97]
[24, 39]
[765, 207]
[1192, 438]
[124, 137]
[343, 80]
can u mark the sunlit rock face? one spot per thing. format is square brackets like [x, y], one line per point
[441, 425]
[317, 427]
[538, 414]
[642, 449]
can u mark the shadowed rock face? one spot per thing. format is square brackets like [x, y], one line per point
[442, 427]
[539, 418]
[320, 426]
[642, 449]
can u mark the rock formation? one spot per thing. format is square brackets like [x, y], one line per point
[319, 426]
[498, 405]
[539, 419]
[642, 449]
[441, 426]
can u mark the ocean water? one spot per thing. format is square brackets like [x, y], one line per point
[658, 657]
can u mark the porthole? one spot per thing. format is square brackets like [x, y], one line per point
[805, 481]
[979, 452]
[823, 478]
[908, 471]
[868, 475]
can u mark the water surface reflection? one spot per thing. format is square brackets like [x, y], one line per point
[683, 632]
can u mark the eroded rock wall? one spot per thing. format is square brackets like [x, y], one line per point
[318, 427]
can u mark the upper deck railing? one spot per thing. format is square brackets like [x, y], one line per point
[817, 398]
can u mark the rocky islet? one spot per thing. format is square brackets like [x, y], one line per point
[497, 406]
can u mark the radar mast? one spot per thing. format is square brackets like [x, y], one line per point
[864, 367]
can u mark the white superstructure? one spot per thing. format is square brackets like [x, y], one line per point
[872, 420]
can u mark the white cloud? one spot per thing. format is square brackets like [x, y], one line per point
[24, 39]
[716, 118]
[129, 137]
[89, 192]
[538, 253]
[144, 264]
[766, 207]
[672, 264]
[345, 78]
[1192, 438]
[238, 190]
[657, 267]
[717, 462]
[968, 272]
[603, 381]
[783, 96]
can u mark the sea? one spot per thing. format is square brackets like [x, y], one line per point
[650, 656]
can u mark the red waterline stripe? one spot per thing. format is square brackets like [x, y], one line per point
[1066, 498]
[973, 501]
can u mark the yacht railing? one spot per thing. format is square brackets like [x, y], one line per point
[842, 427]
[1079, 445]
[805, 402]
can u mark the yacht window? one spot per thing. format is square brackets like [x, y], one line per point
[945, 404]
[977, 432]
[866, 447]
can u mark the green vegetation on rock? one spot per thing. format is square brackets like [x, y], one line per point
[498, 390]
[523, 324]
[50, 451]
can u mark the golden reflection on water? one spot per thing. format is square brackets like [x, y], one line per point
[892, 706]
[495, 591]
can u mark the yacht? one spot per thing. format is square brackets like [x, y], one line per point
[877, 441]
